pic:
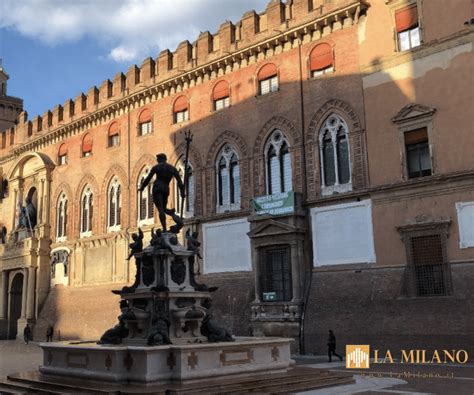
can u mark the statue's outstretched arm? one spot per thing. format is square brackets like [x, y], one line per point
[147, 180]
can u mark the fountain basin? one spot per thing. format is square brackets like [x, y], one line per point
[182, 363]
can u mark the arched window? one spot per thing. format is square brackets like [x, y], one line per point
[228, 180]
[278, 164]
[87, 146]
[61, 218]
[321, 60]
[86, 211]
[145, 200]
[221, 95]
[115, 204]
[144, 122]
[334, 155]
[268, 79]
[62, 154]
[188, 210]
[180, 110]
[114, 135]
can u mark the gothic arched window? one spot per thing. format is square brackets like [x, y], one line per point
[115, 204]
[87, 204]
[278, 164]
[228, 180]
[190, 190]
[61, 218]
[334, 155]
[145, 200]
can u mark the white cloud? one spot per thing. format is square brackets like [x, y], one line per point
[130, 30]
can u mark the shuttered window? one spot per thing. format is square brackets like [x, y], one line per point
[407, 27]
[268, 79]
[181, 110]
[321, 60]
[114, 133]
[87, 145]
[144, 123]
[221, 95]
[62, 154]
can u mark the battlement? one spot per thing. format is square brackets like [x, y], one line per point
[253, 28]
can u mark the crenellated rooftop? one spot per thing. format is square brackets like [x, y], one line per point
[209, 56]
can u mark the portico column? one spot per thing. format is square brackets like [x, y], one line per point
[41, 203]
[23, 293]
[47, 201]
[30, 296]
[3, 295]
[15, 208]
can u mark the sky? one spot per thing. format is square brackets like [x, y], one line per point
[53, 50]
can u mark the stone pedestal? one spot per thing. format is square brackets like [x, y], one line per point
[164, 294]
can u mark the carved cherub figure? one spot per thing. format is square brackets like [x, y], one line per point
[137, 245]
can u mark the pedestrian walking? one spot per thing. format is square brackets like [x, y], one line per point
[27, 334]
[49, 333]
[332, 346]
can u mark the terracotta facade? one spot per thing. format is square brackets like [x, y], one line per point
[377, 93]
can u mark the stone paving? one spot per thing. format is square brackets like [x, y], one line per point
[15, 356]
[398, 379]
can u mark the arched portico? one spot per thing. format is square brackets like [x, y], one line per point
[24, 259]
[15, 298]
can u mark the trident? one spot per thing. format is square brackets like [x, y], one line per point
[188, 137]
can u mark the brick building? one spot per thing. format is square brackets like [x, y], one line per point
[351, 120]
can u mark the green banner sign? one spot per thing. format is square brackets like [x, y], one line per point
[277, 204]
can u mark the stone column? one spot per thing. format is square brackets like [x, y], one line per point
[30, 294]
[15, 208]
[47, 201]
[23, 294]
[3, 295]
[256, 269]
[295, 272]
[41, 218]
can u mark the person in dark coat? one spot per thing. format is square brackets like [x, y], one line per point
[332, 346]
[27, 333]
[49, 333]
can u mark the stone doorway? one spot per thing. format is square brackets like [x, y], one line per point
[15, 301]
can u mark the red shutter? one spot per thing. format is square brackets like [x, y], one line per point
[221, 90]
[87, 143]
[145, 116]
[321, 57]
[114, 129]
[406, 18]
[267, 71]
[62, 150]
[181, 104]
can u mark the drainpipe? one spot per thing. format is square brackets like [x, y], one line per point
[309, 273]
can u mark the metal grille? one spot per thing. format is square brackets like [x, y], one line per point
[275, 272]
[428, 265]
